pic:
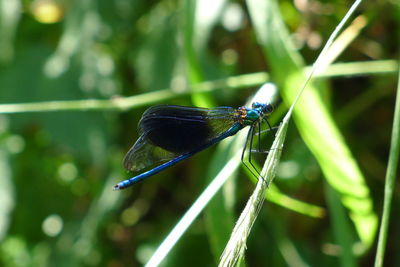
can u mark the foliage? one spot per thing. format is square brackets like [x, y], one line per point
[75, 77]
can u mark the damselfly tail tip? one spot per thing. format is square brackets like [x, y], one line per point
[117, 187]
[122, 185]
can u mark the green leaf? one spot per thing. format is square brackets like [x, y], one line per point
[219, 214]
[313, 119]
[196, 29]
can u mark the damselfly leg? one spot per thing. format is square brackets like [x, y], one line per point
[249, 138]
[254, 130]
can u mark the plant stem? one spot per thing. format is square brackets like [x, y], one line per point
[390, 180]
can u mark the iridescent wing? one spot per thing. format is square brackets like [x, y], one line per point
[143, 154]
[169, 131]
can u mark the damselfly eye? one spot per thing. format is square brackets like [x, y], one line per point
[256, 105]
[268, 108]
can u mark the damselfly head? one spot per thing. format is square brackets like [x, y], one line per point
[265, 108]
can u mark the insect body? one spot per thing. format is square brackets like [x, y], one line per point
[174, 133]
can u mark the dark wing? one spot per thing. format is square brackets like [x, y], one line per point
[169, 131]
[143, 154]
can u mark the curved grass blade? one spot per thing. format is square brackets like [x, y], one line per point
[314, 120]
[343, 233]
[275, 196]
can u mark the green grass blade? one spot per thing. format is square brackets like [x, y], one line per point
[184, 223]
[307, 209]
[358, 68]
[341, 227]
[234, 250]
[219, 214]
[313, 119]
[390, 181]
[275, 196]
[193, 52]
[234, 82]
[7, 193]
[125, 103]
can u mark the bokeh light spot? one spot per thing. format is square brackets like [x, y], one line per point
[15, 144]
[230, 56]
[233, 17]
[288, 169]
[46, 11]
[130, 216]
[144, 252]
[68, 172]
[52, 225]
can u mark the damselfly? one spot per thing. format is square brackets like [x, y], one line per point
[174, 133]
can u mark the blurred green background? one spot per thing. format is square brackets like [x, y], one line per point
[57, 168]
